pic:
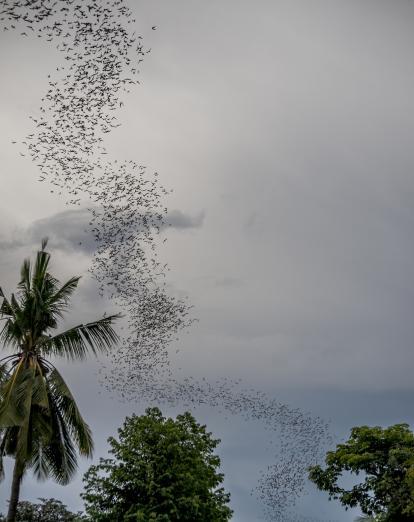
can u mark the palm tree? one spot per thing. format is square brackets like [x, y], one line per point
[40, 423]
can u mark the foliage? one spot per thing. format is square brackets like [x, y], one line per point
[40, 424]
[47, 510]
[164, 470]
[385, 457]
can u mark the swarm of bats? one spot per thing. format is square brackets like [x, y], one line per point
[101, 54]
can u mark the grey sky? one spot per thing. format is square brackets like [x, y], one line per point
[285, 129]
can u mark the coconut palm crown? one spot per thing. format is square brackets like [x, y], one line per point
[40, 424]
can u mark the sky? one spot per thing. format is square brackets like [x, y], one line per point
[284, 129]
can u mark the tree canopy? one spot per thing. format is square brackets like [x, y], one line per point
[385, 459]
[163, 470]
[47, 510]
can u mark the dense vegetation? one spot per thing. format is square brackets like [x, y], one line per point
[384, 458]
[163, 469]
[47, 510]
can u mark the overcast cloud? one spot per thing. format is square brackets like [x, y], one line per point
[285, 129]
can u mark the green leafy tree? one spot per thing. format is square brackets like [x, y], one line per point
[385, 458]
[164, 470]
[40, 423]
[47, 510]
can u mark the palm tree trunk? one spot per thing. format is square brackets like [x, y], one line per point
[15, 491]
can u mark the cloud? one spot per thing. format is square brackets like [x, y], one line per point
[65, 230]
[68, 230]
[179, 220]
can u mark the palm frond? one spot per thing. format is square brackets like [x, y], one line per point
[21, 410]
[23, 452]
[40, 266]
[40, 425]
[4, 370]
[75, 343]
[7, 445]
[12, 330]
[9, 441]
[66, 404]
[25, 277]
[42, 433]
[39, 465]
[17, 309]
[10, 406]
[2, 451]
[58, 301]
[16, 395]
[65, 292]
[59, 455]
[40, 392]
[6, 307]
[11, 333]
